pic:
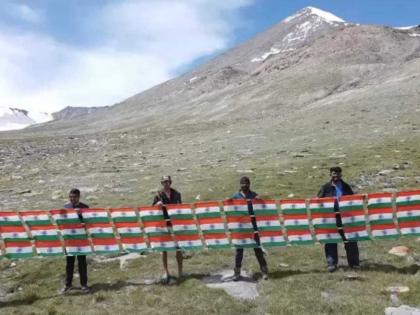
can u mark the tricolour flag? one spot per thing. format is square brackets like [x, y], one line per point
[271, 238]
[238, 219]
[9, 218]
[49, 247]
[188, 241]
[353, 217]
[100, 230]
[18, 249]
[182, 219]
[211, 224]
[35, 218]
[243, 240]
[408, 212]
[44, 232]
[134, 244]
[240, 224]
[73, 231]
[129, 229]
[153, 213]
[236, 207]
[156, 228]
[65, 216]
[269, 228]
[323, 219]
[76, 247]
[162, 243]
[381, 215]
[13, 233]
[296, 221]
[105, 246]
[91, 215]
[123, 215]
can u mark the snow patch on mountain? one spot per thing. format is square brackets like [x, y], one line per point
[15, 118]
[405, 27]
[324, 15]
[272, 51]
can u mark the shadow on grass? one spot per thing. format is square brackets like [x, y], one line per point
[25, 300]
[373, 266]
[279, 274]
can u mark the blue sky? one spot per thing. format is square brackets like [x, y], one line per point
[99, 52]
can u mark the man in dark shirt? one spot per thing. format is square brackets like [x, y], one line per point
[168, 196]
[246, 193]
[336, 187]
[74, 197]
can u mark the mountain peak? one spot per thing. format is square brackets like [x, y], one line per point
[310, 11]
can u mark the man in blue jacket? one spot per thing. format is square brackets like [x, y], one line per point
[336, 187]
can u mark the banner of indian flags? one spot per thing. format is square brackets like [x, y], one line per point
[211, 224]
[239, 223]
[324, 220]
[99, 230]
[408, 212]
[296, 221]
[381, 216]
[353, 217]
[269, 229]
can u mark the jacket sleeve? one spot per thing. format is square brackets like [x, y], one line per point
[349, 190]
[156, 199]
[321, 192]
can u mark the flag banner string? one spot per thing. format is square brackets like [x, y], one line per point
[209, 225]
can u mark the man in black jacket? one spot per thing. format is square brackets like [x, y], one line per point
[336, 187]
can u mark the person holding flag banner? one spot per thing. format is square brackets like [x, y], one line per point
[337, 188]
[168, 196]
[246, 193]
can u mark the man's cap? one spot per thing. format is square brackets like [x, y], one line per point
[166, 178]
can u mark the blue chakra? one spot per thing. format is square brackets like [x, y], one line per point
[49, 250]
[207, 210]
[217, 241]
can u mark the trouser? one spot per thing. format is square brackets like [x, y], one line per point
[81, 260]
[258, 253]
[352, 252]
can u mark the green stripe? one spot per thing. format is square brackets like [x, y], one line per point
[209, 215]
[16, 239]
[104, 252]
[131, 234]
[186, 232]
[138, 250]
[265, 212]
[295, 211]
[409, 219]
[78, 253]
[243, 230]
[354, 224]
[272, 228]
[351, 208]
[333, 240]
[380, 205]
[67, 221]
[387, 236]
[236, 213]
[322, 210]
[158, 234]
[47, 238]
[152, 218]
[272, 244]
[125, 219]
[325, 226]
[246, 246]
[379, 222]
[102, 235]
[38, 223]
[215, 231]
[164, 249]
[75, 237]
[408, 203]
[296, 227]
[192, 247]
[223, 246]
[10, 223]
[96, 220]
[363, 238]
[17, 256]
[181, 216]
[51, 254]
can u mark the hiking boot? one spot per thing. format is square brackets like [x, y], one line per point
[236, 274]
[165, 278]
[264, 271]
[85, 289]
[332, 268]
[65, 289]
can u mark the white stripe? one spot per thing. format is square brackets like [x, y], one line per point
[151, 213]
[219, 241]
[241, 241]
[326, 205]
[94, 214]
[9, 218]
[49, 250]
[318, 221]
[14, 235]
[194, 243]
[162, 244]
[272, 239]
[408, 213]
[302, 237]
[126, 230]
[106, 247]
[373, 201]
[328, 236]
[357, 234]
[207, 210]
[99, 230]
[33, 217]
[384, 232]
[353, 219]
[137, 246]
[410, 230]
[44, 232]
[19, 250]
[179, 211]
[293, 206]
[235, 225]
[236, 208]
[212, 226]
[73, 231]
[268, 223]
[124, 214]
[408, 198]
[184, 227]
[155, 229]
[79, 249]
[380, 216]
[267, 206]
[348, 203]
[292, 222]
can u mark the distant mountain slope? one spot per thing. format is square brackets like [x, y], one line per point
[14, 118]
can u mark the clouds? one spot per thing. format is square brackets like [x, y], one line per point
[134, 45]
